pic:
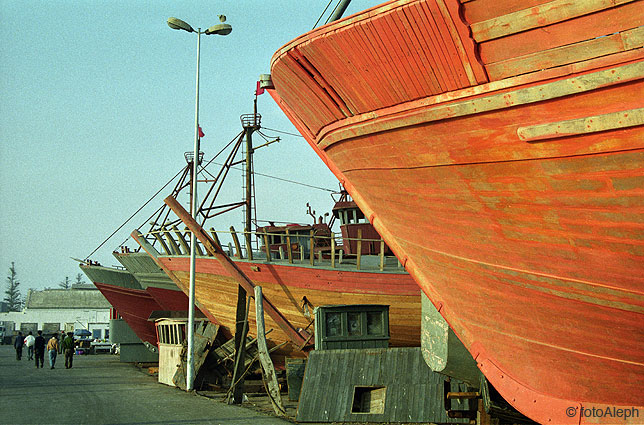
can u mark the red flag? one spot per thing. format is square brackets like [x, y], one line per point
[201, 133]
[258, 90]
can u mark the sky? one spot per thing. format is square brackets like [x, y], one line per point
[97, 107]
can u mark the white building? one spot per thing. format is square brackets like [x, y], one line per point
[53, 310]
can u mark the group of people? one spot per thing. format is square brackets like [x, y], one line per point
[36, 348]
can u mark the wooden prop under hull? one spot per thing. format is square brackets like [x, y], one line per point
[525, 192]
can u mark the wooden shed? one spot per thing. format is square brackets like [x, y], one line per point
[374, 385]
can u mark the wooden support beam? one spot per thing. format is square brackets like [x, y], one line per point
[241, 330]
[291, 332]
[215, 237]
[157, 235]
[182, 240]
[264, 358]
[312, 244]
[236, 242]
[172, 244]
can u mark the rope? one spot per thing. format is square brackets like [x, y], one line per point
[323, 12]
[132, 216]
[284, 132]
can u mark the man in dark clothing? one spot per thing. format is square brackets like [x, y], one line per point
[68, 348]
[61, 350]
[18, 343]
[39, 350]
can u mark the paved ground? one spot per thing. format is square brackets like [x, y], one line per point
[101, 390]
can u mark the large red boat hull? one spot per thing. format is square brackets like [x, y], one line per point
[506, 171]
[131, 302]
[296, 290]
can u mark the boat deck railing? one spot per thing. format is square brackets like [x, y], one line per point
[328, 251]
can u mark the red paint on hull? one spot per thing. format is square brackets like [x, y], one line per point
[516, 204]
[134, 306]
[169, 299]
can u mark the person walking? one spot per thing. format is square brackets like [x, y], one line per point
[29, 342]
[60, 342]
[39, 350]
[18, 344]
[52, 349]
[68, 347]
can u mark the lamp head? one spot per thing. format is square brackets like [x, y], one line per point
[219, 29]
[178, 24]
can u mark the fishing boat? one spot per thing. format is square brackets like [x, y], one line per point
[127, 296]
[498, 148]
[153, 279]
[299, 267]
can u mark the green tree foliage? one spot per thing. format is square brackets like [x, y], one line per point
[79, 279]
[65, 284]
[12, 295]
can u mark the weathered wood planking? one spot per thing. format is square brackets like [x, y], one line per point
[587, 27]
[575, 127]
[544, 238]
[603, 46]
[532, 94]
[538, 16]
[287, 285]
[402, 386]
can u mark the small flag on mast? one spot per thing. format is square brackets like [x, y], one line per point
[201, 133]
[259, 90]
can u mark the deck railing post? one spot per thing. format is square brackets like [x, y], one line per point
[382, 255]
[288, 247]
[249, 246]
[332, 250]
[267, 246]
[312, 244]
[359, 249]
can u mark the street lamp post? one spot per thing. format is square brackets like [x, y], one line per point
[219, 29]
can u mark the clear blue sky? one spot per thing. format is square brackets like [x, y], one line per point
[97, 109]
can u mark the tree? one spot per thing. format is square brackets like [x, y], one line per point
[79, 279]
[13, 297]
[65, 284]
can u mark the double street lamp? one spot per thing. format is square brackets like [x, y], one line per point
[219, 29]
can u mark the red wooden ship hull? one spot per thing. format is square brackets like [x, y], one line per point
[154, 280]
[131, 301]
[295, 290]
[498, 148]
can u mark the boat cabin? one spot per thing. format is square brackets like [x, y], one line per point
[299, 236]
[352, 220]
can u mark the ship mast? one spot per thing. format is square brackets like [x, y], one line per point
[251, 123]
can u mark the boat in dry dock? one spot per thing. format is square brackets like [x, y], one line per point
[298, 266]
[498, 148]
[127, 296]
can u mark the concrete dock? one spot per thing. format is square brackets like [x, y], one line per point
[101, 390]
